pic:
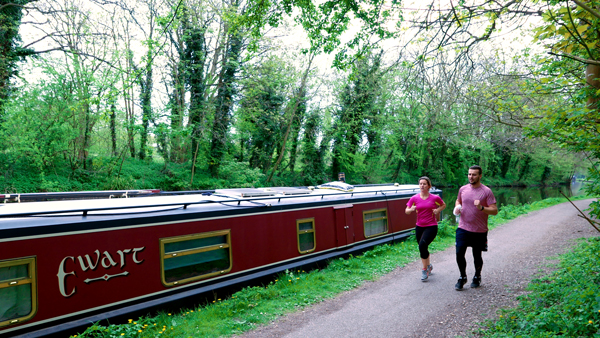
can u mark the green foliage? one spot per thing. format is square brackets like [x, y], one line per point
[564, 303]
[240, 174]
[386, 122]
[325, 22]
[261, 117]
[313, 164]
[357, 117]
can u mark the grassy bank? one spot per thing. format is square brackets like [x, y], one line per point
[292, 290]
[565, 303]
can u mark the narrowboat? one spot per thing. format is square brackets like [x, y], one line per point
[71, 259]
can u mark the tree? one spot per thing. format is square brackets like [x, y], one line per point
[357, 105]
[313, 155]
[226, 89]
[11, 50]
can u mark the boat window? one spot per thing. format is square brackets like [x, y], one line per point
[193, 257]
[375, 222]
[306, 235]
[18, 292]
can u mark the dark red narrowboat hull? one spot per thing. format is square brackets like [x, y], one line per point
[93, 261]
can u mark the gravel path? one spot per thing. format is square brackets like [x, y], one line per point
[400, 305]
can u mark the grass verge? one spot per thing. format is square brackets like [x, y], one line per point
[292, 290]
[565, 303]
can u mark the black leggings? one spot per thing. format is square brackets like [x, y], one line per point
[425, 235]
[462, 262]
[478, 242]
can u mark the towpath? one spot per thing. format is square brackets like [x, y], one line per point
[400, 305]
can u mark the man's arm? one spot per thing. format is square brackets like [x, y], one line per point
[492, 209]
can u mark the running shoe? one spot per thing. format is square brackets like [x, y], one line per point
[459, 285]
[429, 268]
[476, 282]
[424, 275]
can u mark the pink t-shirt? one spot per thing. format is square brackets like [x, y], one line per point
[425, 216]
[472, 219]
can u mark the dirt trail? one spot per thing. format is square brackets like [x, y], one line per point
[400, 305]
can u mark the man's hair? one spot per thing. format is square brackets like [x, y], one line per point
[426, 179]
[476, 167]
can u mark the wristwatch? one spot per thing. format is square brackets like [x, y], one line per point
[481, 207]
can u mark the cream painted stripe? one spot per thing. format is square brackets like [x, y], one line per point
[176, 222]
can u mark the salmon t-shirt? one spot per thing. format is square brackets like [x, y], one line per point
[425, 216]
[472, 219]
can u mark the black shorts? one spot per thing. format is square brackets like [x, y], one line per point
[476, 240]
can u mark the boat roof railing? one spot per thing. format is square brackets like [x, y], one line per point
[254, 201]
[79, 195]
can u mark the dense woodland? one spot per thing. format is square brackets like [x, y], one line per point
[200, 94]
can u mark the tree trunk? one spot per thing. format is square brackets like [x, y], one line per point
[299, 100]
[225, 93]
[113, 126]
[592, 75]
[195, 54]
[146, 96]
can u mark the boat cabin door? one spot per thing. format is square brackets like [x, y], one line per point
[344, 224]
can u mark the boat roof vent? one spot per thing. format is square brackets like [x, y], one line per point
[245, 192]
[290, 191]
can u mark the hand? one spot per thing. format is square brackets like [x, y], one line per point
[436, 211]
[414, 208]
[477, 204]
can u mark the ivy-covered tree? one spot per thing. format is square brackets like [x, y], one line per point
[11, 50]
[313, 155]
[358, 106]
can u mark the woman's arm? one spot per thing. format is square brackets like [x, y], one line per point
[439, 209]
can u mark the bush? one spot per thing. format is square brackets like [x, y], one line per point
[565, 303]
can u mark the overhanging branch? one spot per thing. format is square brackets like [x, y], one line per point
[587, 8]
[577, 58]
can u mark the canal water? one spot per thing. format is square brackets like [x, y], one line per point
[515, 195]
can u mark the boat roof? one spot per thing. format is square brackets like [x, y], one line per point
[184, 205]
